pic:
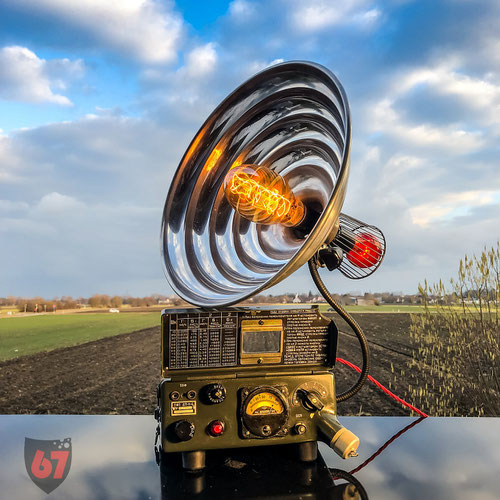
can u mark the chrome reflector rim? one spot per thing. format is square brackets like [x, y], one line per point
[294, 118]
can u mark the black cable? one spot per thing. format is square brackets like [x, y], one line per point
[365, 367]
[342, 474]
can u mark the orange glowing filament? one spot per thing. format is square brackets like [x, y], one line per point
[261, 195]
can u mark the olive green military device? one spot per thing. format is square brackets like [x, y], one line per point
[257, 195]
[239, 377]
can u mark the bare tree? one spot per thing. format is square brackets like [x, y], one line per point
[457, 341]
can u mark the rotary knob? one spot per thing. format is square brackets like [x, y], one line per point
[215, 393]
[184, 430]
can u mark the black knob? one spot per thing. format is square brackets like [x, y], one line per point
[184, 430]
[215, 393]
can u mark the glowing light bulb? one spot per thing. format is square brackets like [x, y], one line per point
[261, 195]
[366, 251]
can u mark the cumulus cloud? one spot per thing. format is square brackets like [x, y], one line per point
[384, 118]
[85, 196]
[242, 10]
[86, 206]
[201, 60]
[185, 95]
[256, 66]
[7, 206]
[446, 79]
[318, 15]
[453, 205]
[58, 203]
[26, 77]
[148, 30]
[433, 180]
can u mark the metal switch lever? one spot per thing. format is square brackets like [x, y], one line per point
[310, 401]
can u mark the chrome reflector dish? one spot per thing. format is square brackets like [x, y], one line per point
[293, 118]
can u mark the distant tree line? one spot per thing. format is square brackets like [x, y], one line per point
[41, 304]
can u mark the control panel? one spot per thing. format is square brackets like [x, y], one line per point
[243, 377]
[238, 412]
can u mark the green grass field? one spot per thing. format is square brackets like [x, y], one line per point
[31, 334]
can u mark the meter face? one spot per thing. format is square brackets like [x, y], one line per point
[264, 412]
[264, 403]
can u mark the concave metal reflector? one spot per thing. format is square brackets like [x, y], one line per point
[293, 118]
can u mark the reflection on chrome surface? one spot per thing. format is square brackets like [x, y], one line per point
[293, 118]
[113, 457]
[255, 473]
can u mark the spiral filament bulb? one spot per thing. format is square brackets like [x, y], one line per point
[259, 194]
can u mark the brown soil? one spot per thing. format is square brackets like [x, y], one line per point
[118, 375]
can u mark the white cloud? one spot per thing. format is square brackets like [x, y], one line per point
[490, 48]
[427, 178]
[87, 205]
[451, 138]
[56, 202]
[452, 205]
[26, 77]
[482, 94]
[10, 164]
[257, 66]
[184, 95]
[317, 15]
[474, 102]
[367, 18]
[241, 10]
[13, 206]
[201, 60]
[146, 29]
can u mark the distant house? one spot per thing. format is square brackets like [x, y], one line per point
[347, 300]
[296, 300]
[361, 301]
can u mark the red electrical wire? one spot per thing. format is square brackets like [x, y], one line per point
[380, 386]
[382, 448]
[398, 434]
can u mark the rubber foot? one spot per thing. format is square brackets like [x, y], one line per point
[308, 452]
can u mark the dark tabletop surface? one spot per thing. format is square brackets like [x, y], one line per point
[113, 457]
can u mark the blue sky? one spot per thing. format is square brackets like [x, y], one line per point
[98, 101]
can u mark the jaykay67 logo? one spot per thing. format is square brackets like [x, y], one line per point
[47, 461]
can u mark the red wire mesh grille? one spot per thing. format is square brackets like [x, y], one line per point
[363, 247]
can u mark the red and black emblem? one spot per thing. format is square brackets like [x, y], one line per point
[47, 462]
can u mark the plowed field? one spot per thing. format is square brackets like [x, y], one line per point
[119, 374]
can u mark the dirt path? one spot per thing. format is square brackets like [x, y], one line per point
[119, 374]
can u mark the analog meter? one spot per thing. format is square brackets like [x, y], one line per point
[264, 412]
[264, 403]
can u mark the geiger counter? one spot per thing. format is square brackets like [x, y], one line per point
[257, 195]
